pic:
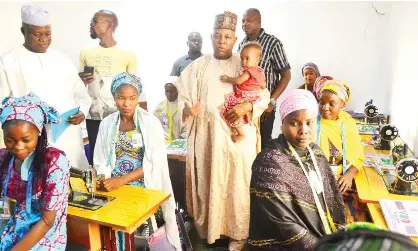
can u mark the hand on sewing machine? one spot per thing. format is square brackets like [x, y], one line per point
[99, 183]
[112, 184]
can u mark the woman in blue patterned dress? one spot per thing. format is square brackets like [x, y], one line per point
[34, 175]
[130, 149]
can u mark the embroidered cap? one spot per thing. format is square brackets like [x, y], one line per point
[227, 20]
[34, 15]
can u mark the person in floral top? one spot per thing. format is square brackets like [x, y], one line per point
[33, 174]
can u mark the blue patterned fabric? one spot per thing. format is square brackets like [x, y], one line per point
[29, 108]
[125, 79]
[128, 158]
[51, 195]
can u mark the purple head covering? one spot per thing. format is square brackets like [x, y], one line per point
[311, 66]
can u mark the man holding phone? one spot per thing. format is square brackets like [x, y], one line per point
[100, 64]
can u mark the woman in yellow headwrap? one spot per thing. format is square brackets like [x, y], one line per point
[337, 133]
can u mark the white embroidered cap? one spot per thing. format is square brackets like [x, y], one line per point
[34, 15]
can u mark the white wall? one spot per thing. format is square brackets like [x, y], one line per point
[404, 54]
[348, 40]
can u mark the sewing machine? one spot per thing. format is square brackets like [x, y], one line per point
[386, 134]
[371, 114]
[406, 172]
[89, 177]
[87, 200]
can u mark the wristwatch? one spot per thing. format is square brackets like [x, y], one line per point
[273, 101]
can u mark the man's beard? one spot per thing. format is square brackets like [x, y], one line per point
[93, 35]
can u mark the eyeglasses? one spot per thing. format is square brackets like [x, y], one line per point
[95, 21]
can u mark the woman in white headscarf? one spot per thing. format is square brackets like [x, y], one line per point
[169, 112]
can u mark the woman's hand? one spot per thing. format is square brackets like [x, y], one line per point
[99, 183]
[237, 112]
[346, 180]
[113, 183]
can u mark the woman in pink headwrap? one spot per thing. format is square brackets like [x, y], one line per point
[294, 196]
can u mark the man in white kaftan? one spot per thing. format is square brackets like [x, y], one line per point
[49, 74]
[218, 171]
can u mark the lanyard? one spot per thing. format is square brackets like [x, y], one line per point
[115, 132]
[343, 140]
[28, 186]
[326, 218]
[170, 121]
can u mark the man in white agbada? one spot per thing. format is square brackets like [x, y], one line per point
[51, 75]
[218, 171]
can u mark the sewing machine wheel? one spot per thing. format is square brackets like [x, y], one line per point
[371, 111]
[407, 169]
[388, 132]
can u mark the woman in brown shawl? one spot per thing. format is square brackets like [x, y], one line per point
[294, 195]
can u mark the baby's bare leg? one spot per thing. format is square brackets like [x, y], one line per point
[240, 134]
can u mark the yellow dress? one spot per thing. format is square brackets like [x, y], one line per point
[330, 132]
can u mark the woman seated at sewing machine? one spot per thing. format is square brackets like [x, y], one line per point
[337, 133]
[34, 175]
[130, 150]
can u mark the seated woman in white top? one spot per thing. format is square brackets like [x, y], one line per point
[169, 112]
[130, 150]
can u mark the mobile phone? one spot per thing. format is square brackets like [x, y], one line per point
[89, 69]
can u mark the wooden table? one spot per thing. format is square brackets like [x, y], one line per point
[377, 216]
[371, 186]
[131, 207]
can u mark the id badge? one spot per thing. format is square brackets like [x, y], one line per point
[334, 169]
[4, 209]
[137, 140]
[316, 182]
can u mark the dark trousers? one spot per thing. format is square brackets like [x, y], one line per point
[266, 129]
[177, 171]
[92, 131]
